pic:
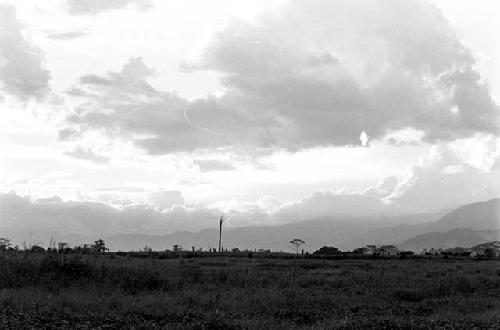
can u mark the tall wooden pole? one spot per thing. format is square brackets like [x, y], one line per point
[220, 233]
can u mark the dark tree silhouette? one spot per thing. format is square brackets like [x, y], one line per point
[63, 247]
[296, 242]
[327, 250]
[99, 246]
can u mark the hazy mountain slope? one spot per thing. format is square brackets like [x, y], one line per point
[394, 234]
[342, 233]
[464, 237]
[478, 216]
[465, 226]
[315, 232]
[345, 233]
[204, 239]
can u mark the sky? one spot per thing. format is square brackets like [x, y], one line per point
[156, 116]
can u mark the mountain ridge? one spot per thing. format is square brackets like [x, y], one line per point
[345, 233]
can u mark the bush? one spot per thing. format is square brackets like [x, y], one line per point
[72, 268]
[409, 295]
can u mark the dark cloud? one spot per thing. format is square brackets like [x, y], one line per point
[94, 7]
[124, 103]
[313, 73]
[22, 72]
[351, 67]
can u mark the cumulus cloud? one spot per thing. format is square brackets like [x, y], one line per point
[363, 138]
[384, 188]
[94, 7]
[311, 73]
[324, 205]
[165, 199]
[96, 218]
[124, 105]
[391, 65]
[442, 181]
[164, 213]
[22, 71]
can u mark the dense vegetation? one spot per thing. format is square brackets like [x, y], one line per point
[125, 291]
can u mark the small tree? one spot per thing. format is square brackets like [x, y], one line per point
[63, 247]
[296, 242]
[99, 246]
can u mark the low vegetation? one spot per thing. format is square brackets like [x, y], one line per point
[146, 290]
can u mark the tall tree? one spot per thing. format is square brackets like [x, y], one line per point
[296, 242]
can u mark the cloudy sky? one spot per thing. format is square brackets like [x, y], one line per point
[159, 115]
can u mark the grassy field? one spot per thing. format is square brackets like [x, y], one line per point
[111, 291]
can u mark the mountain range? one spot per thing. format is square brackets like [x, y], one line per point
[465, 226]
[468, 225]
[463, 237]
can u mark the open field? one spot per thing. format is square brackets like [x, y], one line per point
[112, 291]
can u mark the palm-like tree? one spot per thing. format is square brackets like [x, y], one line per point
[296, 242]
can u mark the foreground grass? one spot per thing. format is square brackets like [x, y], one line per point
[108, 291]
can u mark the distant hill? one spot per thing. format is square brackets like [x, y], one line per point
[394, 234]
[477, 222]
[464, 237]
[315, 232]
[478, 216]
[344, 233]
[465, 226]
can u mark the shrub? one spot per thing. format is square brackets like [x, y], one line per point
[409, 295]
[72, 268]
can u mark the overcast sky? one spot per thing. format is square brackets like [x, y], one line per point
[171, 112]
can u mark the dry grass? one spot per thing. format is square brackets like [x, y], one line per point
[240, 293]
